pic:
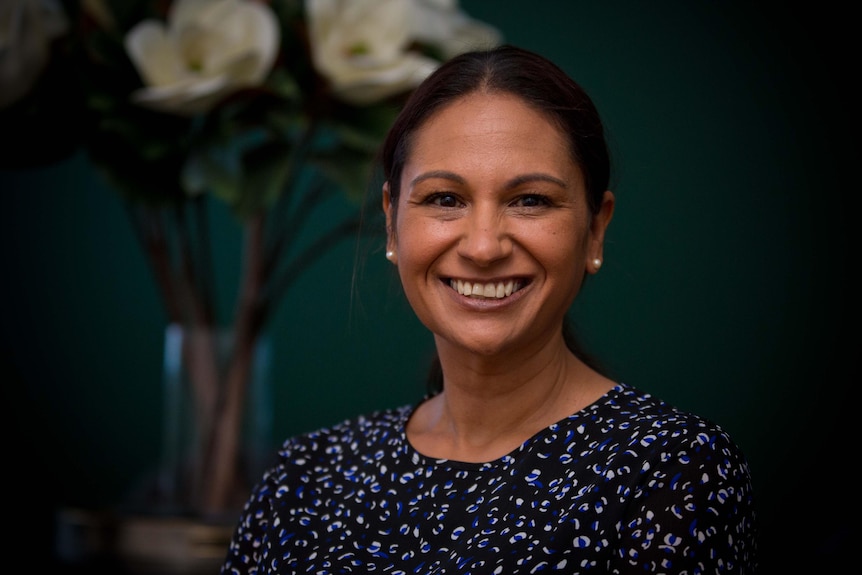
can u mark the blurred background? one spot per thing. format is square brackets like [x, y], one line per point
[726, 286]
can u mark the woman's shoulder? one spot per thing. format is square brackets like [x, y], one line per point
[647, 419]
[629, 402]
[365, 429]
[329, 450]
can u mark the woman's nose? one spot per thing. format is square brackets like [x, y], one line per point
[485, 238]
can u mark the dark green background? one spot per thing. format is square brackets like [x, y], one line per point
[725, 288]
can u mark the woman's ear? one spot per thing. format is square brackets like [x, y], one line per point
[595, 253]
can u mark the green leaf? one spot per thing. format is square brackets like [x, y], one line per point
[266, 170]
[215, 170]
[347, 168]
[284, 85]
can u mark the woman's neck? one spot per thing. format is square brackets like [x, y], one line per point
[490, 406]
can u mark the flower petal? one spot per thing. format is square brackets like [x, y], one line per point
[244, 28]
[184, 13]
[443, 24]
[153, 53]
[361, 87]
[186, 98]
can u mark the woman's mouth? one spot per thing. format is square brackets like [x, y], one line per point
[490, 290]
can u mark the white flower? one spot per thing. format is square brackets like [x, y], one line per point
[208, 50]
[360, 47]
[443, 24]
[27, 28]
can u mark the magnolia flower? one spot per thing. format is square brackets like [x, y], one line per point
[362, 46]
[442, 24]
[208, 50]
[27, 28]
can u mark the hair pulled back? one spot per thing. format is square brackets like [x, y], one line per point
[507, 70]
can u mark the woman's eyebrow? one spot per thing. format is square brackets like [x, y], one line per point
[443, 174]
[514, 182]
[536, 177]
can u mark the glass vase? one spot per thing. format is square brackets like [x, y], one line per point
[197, 364]
[173, 524]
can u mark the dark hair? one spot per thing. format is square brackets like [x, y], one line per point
[538, 82]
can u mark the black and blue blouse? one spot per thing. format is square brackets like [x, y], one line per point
[629, 484]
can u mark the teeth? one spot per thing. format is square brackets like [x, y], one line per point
[490, 290]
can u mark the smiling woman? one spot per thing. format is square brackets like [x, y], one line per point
[524, 456]
[491, 197]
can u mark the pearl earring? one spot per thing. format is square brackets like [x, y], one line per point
[390, 254]
[597, 262]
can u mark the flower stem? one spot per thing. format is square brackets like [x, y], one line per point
[221, 463]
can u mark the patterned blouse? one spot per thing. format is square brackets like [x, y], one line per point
[629, 484]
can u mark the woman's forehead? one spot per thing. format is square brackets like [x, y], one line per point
[490, 133]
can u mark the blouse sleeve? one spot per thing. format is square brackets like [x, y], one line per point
[692, 510]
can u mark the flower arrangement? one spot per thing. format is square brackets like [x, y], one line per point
[267, 106]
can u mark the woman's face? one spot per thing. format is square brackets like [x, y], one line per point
[493, 234]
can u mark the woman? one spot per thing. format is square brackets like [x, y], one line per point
[525, 457]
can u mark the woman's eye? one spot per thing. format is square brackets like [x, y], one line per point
[444, 200]
[532, 201]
